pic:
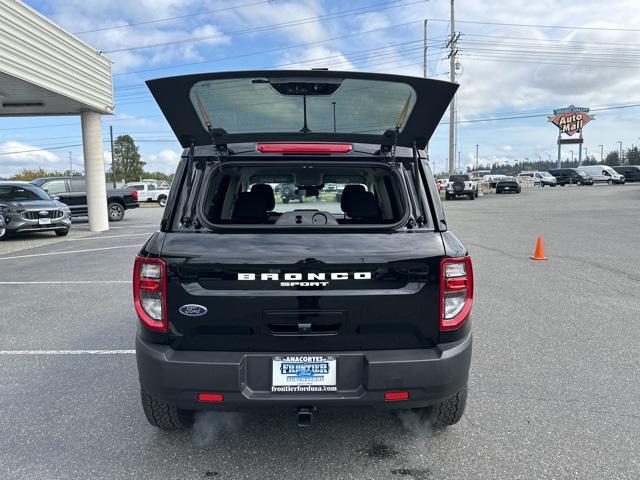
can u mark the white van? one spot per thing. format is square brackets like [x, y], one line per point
[603, 173]
[539, 178]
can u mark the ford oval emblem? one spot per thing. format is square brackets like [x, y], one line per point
[193, 310]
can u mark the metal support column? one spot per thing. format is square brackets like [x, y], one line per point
[94, 171]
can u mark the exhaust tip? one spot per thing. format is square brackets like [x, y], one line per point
[305, 417]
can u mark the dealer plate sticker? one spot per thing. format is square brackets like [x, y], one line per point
[304, 373]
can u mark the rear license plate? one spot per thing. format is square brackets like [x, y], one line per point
[304, 373]
[506, 188]
[44, 221]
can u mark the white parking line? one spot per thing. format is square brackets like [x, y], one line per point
[69, 252]
[109, 236]
[146, 225]
[67, 352]
[70, 282]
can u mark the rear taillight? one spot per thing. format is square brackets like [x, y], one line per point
[456, 291]
[302, 148]
[134, 194]
[150, 292]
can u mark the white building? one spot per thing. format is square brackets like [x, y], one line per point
[45, 70]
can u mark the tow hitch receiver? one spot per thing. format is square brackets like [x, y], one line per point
[305, 416]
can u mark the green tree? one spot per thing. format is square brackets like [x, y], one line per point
[129, 166]
[633, 156]
[612, 158]
[28, 174]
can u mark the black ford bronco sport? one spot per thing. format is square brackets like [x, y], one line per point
[246, 302]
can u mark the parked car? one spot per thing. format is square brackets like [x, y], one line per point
[603, 174]
[508, 184]
[73, 192]
[631, 173]
[244, 303]
[571, 176]
[149, 192]
[25, 207]
[540, 179]
[462, 186]
[289, 191]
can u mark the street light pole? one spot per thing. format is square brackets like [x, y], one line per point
[113, 162]
[621, 161]
[477, 164]
[601, 152]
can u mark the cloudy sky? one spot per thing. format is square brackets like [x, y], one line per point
[518, 58]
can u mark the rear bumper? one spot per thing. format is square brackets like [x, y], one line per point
[429, 375]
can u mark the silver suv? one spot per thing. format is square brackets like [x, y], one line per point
[27, 208]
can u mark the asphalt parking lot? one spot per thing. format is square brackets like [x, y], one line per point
[554, 383]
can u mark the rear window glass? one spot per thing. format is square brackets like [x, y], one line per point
[458, 178]
[318, 196]
[259, 105]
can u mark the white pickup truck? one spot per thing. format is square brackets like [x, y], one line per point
[149, 192]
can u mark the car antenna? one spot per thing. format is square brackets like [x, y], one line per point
[305, 127]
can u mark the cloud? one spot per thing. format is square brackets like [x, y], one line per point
[164, 161]
[31, 157]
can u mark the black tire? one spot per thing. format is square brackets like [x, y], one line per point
[472, 196]
[285, 200]
[162, 200]
[449, 411]
[498, 191]
[3, 233]
[164, 416]
[62, 232]
[447, 196]
[115, 211]
[610, 182]
[519, 190]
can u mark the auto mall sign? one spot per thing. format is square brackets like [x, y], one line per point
[571, 120]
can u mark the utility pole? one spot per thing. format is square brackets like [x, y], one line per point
[425, 45]
[601, 152]
[70, 164]
[452, 107]
[113, 161]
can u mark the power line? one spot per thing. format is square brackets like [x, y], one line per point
[532, 25]
[178, 17]
[275, 26]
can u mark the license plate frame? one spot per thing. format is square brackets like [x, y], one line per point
[304, 373]
[44, 221]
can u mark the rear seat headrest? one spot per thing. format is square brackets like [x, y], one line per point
[266, 190]
[251, 207]
[346, 194]
[362, 205]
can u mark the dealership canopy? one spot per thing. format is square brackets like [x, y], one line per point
[46, 71]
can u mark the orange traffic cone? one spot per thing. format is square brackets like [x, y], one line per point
[539, 252]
